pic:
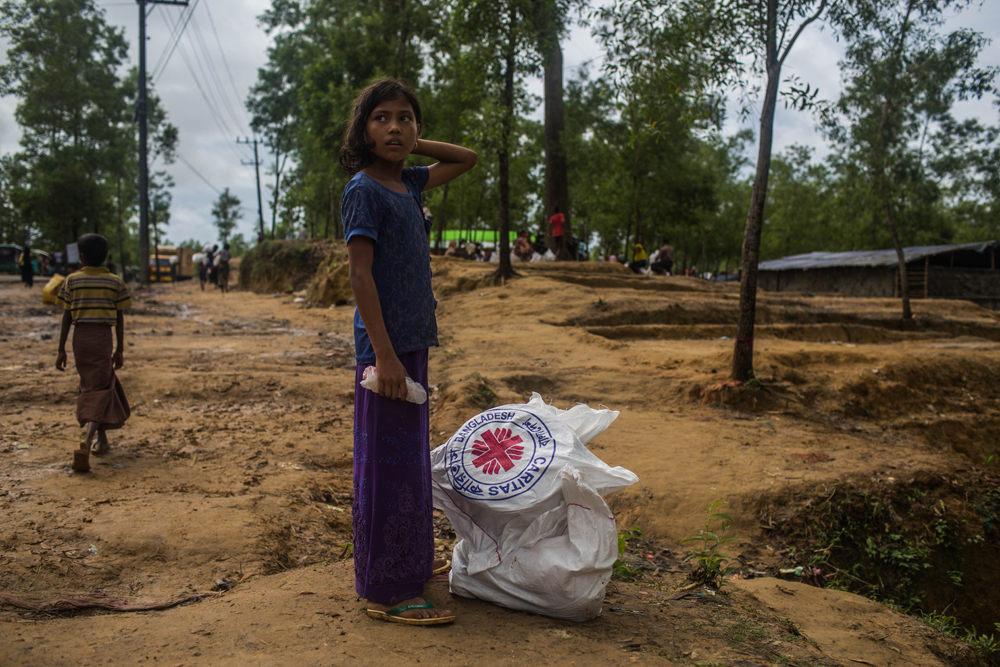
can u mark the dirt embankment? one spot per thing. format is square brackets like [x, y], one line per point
[283, 266]
[236, 467]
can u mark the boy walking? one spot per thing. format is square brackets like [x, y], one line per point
[94, 300]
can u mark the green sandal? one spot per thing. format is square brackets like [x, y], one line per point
[393, 615]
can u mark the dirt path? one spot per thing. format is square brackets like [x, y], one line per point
[236, 466]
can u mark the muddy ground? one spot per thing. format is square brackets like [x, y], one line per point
[235, 469]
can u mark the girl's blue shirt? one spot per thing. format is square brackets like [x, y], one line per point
[402, 264]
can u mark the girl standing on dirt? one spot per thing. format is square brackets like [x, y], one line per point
[394, 325]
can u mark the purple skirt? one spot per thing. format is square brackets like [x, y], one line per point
[393, 528]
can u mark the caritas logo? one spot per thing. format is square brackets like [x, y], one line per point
[499, 454]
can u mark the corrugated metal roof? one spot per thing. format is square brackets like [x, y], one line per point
[821, 260]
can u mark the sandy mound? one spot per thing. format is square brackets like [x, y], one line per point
[331, 286]
[281, 266]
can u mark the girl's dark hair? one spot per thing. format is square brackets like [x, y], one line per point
[356, 153]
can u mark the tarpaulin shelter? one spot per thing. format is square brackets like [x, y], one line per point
[968, 271]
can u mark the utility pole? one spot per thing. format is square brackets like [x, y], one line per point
[140, 117]
[256, 165]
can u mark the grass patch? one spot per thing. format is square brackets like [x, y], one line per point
[484, 395]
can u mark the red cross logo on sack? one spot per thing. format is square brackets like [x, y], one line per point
[497, 450]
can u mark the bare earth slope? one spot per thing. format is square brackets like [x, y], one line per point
[236, 466]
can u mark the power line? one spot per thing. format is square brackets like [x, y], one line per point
[183, 24]
[197, 173]
[220, 122]
[219, 88]
[208, 84]
[216, 116]
[168, 45]
[141, 118]
[256, 165]
[225, 61]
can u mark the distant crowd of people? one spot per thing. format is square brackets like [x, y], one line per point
[527, 250]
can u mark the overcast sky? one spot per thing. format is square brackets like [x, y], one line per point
[208, 129]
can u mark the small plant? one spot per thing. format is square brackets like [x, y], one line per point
[753, 381]
[484, 396]
[986, 646]
[711, 564]
[622, 569]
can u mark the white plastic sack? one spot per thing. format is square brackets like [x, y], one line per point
[524, 495]
[549, 256]
[414, 392]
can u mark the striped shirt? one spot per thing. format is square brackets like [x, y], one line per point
[94, 295]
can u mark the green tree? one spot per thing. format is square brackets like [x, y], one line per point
[738, 44]
[798, 216]
[902, 79]
[227, 213]
[550, 18]
[664, 92]
[504, 32]
[62, 62]
[323, 54]
[12, 228]
[78, 148]
[238, 245]
[159, 206]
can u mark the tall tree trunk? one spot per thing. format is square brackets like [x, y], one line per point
[505, 270]
[556, 189]
[278, 168]
[121, 233]
[442, 216]
[743, 350]
[338, 223]
[635, 201]
[444, 200]
[64, 242]
[881, 150]
[904, 281]
[156, 244]
[404, 38]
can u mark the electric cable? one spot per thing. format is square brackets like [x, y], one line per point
[183, 25]
[225, 61]
[197, 173]
[213, 111]
[167, 44]
[220, 89]
[208, 85]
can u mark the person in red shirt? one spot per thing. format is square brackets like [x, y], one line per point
[557, 227]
